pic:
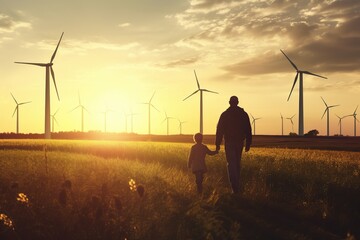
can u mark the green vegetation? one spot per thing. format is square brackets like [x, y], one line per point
[143, 190]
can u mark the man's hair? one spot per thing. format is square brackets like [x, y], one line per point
[198, 137]
[234, 101]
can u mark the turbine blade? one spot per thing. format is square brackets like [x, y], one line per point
[53, 77]
[56, 112]
[54, 54]
[197, 81]
[324, 102]
[356, 109]
[324, 113]
[293, 64]
[16, 108]
[75, 108]
[296, 77]
[310, 73]
[333, 106]
[36, 64]
[155, 107]
[205, 90]
[191, 95]
[152, 97]
[14, 98]
[24, 103]
[293, 116]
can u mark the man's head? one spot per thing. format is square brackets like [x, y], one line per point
[198, 137]
[234, 101]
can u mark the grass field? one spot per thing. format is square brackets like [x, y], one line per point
[65, 189]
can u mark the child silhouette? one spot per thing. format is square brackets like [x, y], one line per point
[196, 162]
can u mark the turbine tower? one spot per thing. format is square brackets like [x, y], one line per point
[167, 122]
[282, 124]
[301, 98]
[48, 70]
[292, 123]
[253, 122]
[340, 119]
[327, 111]
[131, 115]
[82, 107]
[17, 112]
[355, 119]
[105, 118]
[180, 126]
[53, 120]
[150, 105]
[201, 90]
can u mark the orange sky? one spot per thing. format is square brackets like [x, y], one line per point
[117, 54]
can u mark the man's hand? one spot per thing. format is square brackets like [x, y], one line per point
[247, 148]
[218, 148]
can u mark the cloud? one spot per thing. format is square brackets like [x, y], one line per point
[181, 62]
[83, 46]
[124, 25]
[9, 24]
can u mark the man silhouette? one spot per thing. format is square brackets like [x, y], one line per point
[234, 126]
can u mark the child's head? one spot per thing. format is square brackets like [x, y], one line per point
[198, 137]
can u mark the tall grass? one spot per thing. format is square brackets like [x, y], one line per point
[80, 189]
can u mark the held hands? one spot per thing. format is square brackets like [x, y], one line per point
[247, 148]
[217, 148]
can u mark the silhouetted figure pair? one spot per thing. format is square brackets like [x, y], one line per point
[196, 162]
[234, 126]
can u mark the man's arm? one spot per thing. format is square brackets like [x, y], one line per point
[248, 133]
[219, 132]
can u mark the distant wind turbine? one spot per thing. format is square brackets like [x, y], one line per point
[292, 123]
[180, 125]
[340, 119]
[150, 105]
[253, 122]
[48, 69]
[82, 107]
[131, 115]
[53, 120]
[105, 118]
[282, 124]
[327, 111]
[167, 118]
[301, 99]
[17, 112]
[355, 119]
[201, 90]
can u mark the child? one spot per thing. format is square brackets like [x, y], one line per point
[197, 159]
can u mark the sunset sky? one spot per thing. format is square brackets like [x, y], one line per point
[115, 54]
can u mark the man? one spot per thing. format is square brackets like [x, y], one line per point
[234, 126]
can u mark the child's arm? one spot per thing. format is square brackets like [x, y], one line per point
[211, 153]
[190, 159]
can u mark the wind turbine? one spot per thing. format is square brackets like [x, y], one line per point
[340, 119]
[82, 107]
[48, 69]
[355, 119]
[167, 122]
[253, 122]
[292, 123]
[201, 90]
[17, 112]
[180, 126]
[149, 108]
[53, 120]
[105, 117]
[301, 98]
[131, 114]
[327, 111]
[282, 124]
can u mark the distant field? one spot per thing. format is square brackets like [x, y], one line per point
[319, 142]
[75, 189]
